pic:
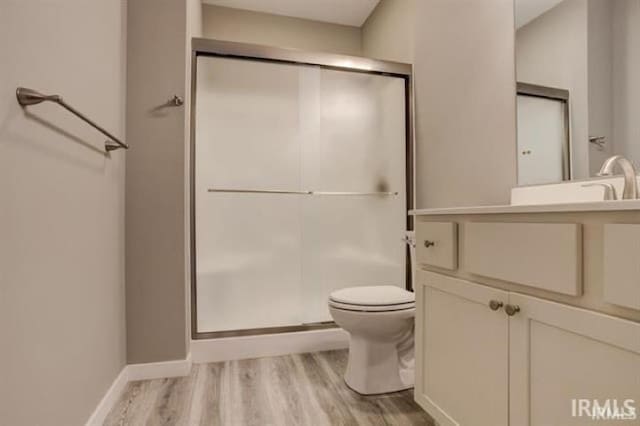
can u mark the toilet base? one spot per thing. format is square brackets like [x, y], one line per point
[381, 349]
[379, 367]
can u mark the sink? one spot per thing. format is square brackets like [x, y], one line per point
[566, 192]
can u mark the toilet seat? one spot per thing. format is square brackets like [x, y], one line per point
[373, 308]
[385, 298]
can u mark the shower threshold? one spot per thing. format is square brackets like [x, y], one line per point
[265, 330]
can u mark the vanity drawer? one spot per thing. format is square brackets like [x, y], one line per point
[437, 244]
[621, 265]
[547, 256]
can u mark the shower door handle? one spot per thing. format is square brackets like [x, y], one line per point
[281, 191]
[258, 191]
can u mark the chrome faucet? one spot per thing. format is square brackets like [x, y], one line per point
[630, 191]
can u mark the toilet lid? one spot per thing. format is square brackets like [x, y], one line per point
[381, 295]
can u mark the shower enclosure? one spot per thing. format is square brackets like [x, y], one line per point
[300, 165]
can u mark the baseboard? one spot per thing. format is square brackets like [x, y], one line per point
[158, 370]
[109, 399]
[213, 350]
[244, 347]
[134, 372]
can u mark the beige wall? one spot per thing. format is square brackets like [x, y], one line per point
[465, 102]
[261, 28]
[600, 61]
[552, 51]
[62, 318]
[614, 66]
[626, 78]
[389, 31]
[155, 188]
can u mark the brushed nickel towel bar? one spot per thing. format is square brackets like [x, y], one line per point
[276, 191]
[31, 97]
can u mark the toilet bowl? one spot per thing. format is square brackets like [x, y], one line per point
[380, 323]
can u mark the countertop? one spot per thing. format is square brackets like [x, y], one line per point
[597, 206]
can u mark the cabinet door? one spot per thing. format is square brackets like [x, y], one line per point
[560, 354]
[461, 351]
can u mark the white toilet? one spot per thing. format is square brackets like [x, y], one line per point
[380, 321]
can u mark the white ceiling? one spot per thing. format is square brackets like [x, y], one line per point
[345, 12]
[528, 10]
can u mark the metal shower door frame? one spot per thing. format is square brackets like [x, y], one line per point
[558, 95]
[255, 52]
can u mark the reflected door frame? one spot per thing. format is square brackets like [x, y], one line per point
[554, 94]
[218, 48]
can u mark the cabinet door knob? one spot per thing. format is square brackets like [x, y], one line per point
[428, 243]
[511, 310]
[495, 305]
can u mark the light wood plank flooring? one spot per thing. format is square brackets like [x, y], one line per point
[304, 389]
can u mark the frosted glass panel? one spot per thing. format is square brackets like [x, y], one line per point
[248, 252]
[541, 140]
[345, 245]
[354, 240]
[361, 142]
[269, 260]
[247, 245]
[247, 116]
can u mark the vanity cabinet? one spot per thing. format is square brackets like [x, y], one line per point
[462, 352]
[558, 353]
[491, 357]
[547, 256]
[621, 267]
[437, 244]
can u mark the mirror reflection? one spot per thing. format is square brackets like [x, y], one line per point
[578, 72]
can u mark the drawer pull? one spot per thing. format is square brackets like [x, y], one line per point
[428, 243]
[511, 310]
[495, 305]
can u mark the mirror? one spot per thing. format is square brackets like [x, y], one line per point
[578, 74]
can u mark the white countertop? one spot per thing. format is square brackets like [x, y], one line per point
[598, 206]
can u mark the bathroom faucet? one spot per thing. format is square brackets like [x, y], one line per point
[630, 191]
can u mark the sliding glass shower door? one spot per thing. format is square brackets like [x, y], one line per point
[299, 188]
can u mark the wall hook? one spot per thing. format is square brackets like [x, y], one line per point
[176, 101]
[598, 141]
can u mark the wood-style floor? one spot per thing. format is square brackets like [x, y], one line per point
[296, 390]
